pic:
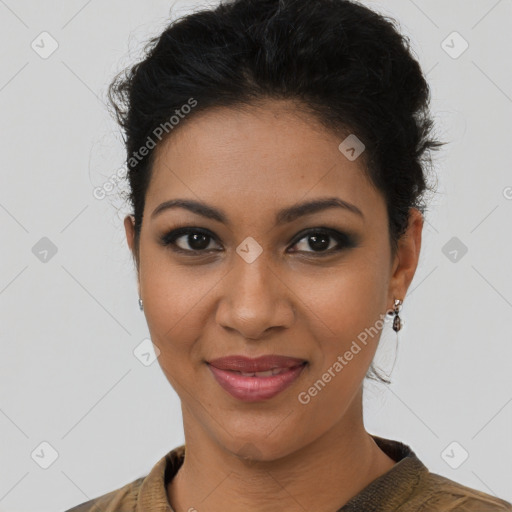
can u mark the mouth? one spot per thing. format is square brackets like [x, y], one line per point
[256, 379]
[265, 363]
[266, 373]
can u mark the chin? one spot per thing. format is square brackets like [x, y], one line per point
[262, 447]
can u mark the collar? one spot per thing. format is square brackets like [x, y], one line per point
[394, 488]
[388, 491]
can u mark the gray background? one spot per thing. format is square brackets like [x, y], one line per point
[70, 321]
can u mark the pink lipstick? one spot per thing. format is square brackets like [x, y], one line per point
[256, 379]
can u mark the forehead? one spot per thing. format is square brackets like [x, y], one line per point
[260, 156]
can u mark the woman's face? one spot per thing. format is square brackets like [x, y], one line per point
[256, 281]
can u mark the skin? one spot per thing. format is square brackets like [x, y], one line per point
[277, 454]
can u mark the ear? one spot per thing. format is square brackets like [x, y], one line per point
[407, 256]
[129, 227]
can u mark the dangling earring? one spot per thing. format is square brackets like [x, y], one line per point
[141, 307]
[397, 321]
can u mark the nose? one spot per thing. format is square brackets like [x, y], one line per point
[255, 300]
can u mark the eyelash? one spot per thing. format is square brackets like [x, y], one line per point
[344, 240]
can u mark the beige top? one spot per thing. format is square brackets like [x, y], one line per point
[407, 487]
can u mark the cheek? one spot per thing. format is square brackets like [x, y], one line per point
[345, 314]
[175, 300]
[344, 302]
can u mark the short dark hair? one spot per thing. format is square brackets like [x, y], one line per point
[335, 59]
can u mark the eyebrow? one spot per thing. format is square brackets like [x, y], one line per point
[283, 216]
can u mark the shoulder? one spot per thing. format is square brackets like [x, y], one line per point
[146, 493]
[442, 494]
[123, 499]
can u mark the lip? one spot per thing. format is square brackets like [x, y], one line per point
[251, 389]
[258, 364]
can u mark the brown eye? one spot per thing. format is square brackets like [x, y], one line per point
[324, 241]
[188, 240]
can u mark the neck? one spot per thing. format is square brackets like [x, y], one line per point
[341, 463]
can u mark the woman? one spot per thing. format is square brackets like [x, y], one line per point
[275, 161]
